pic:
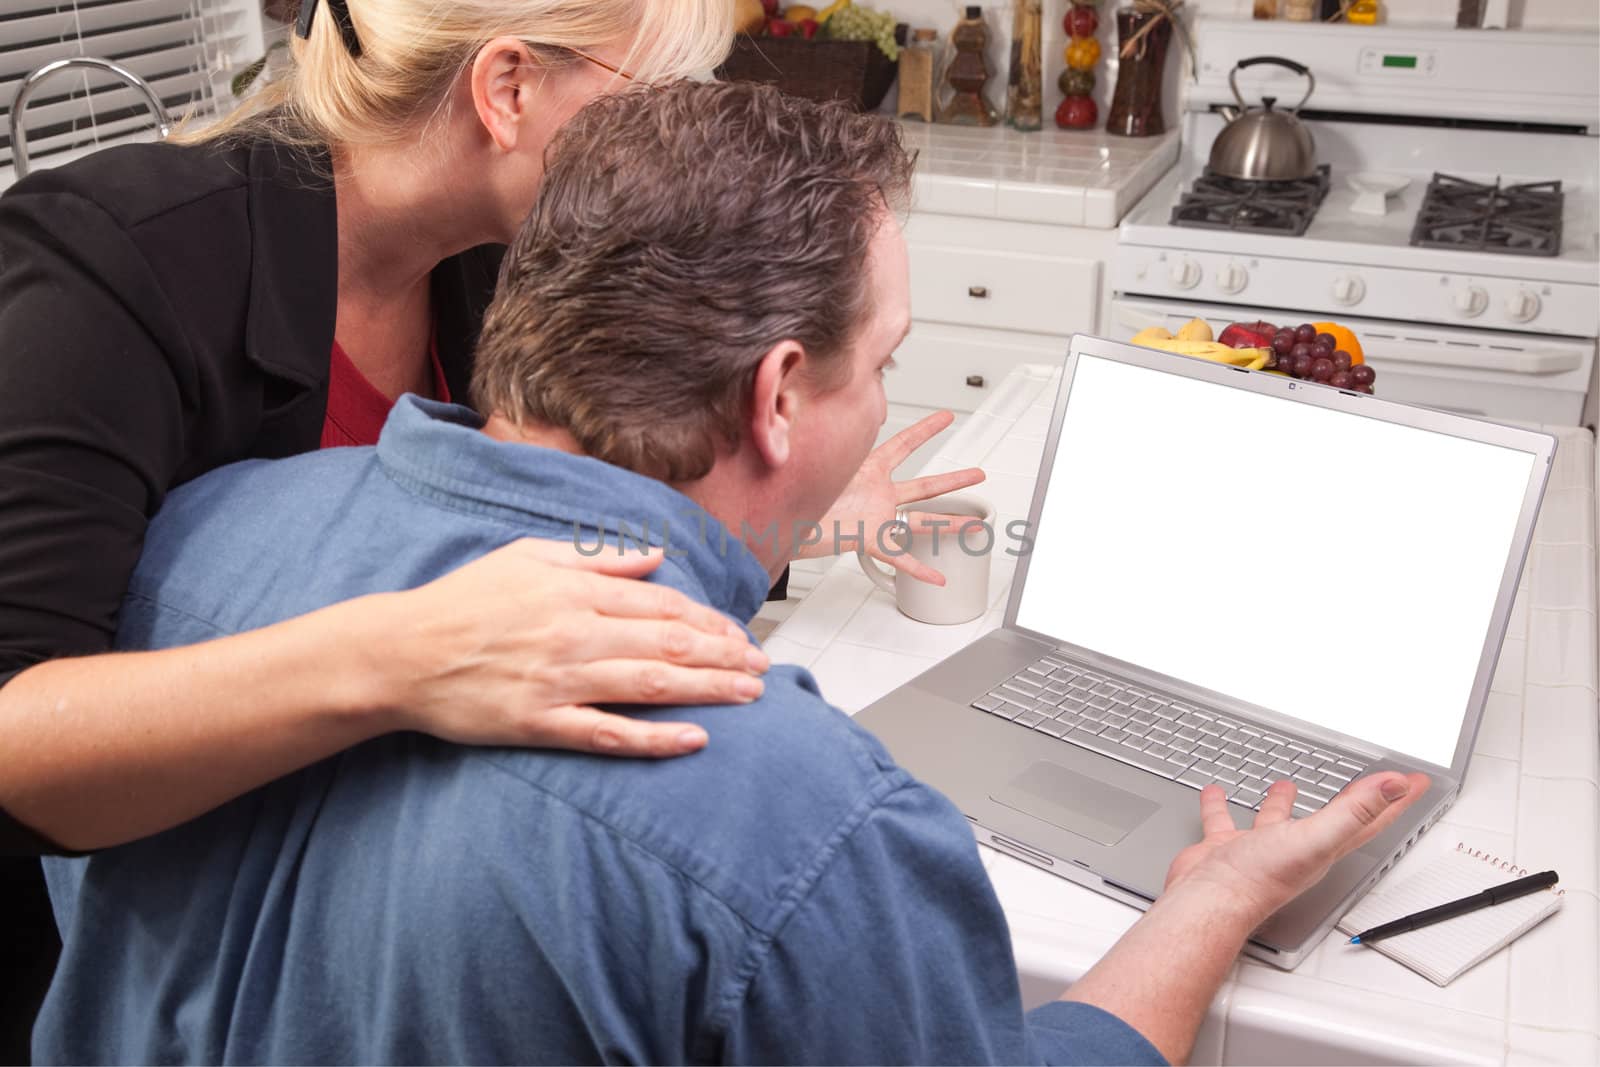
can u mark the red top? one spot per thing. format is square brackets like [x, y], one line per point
[356, 410]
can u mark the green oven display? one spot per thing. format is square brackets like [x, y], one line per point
[1405, 62]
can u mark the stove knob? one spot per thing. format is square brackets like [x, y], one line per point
[1470, 300]
[1348, 290]
[1185, 273]
[1232, 277]
[1522, 305]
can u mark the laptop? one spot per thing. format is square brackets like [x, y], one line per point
[1233, 577]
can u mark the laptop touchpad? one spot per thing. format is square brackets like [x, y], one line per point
[1075, 802]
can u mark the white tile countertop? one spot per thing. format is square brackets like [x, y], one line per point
[1532, 794]
[1064, 177]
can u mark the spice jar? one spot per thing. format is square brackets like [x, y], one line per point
[916, 75]
[1143, 32]
[1025, 88]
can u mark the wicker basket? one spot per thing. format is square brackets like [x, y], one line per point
[854, 71]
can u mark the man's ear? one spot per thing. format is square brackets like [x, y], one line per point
[502, 80]
[775, 401]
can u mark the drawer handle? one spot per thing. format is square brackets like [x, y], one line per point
[978, 292]
[975, 380]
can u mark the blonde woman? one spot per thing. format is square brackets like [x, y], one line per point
[271, 286]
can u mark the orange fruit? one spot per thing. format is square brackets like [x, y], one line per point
[1345, 338]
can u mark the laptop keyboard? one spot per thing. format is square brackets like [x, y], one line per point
[1166, 737]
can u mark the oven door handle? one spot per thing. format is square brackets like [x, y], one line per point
[1136, 319]
[1525, 361]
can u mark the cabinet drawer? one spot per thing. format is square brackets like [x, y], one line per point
[950, 367]
[1054, 295]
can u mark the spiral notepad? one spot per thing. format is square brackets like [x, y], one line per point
[1441, 952]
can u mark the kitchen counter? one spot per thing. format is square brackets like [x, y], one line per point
[1062, 177]
[1532, 794]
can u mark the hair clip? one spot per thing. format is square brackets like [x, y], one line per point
[340, 10]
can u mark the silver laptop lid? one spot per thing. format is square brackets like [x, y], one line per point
[1238, 535]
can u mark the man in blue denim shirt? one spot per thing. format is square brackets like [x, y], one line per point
[704, 364]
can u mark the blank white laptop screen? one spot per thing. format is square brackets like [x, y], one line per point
[1324, 565]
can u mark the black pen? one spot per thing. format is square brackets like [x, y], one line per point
[1497, 895]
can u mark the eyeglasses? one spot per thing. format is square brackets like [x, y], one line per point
[618, 71]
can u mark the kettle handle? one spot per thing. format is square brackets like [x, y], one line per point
[1279, 61]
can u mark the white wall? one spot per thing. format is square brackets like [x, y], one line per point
[942, 15]
[1535, 14]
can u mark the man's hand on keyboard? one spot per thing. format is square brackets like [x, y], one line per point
[1161, 976]
[1279, 858]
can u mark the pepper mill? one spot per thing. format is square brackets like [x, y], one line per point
[968, 73]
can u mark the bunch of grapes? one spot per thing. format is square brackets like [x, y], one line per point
[856, 23]
[1302, 352]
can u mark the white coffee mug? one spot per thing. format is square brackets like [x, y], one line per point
[962, 556]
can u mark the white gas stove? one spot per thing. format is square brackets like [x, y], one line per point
[1504, 332]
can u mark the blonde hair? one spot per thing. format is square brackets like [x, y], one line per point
[412, 52]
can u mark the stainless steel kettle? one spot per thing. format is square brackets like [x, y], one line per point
[1265, 144]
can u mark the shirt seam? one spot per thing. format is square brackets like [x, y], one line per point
[621, 835]
[138, 315]
[169, 209]
[333, 420]
[131, 223]
[473, 497]
[450, 494]
[720, 1018]
[163, 606]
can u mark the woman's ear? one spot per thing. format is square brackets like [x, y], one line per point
[775, 402]
[502, 80]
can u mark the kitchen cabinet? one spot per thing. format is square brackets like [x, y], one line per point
[1010, 237]
[988, 295]
[957, 367]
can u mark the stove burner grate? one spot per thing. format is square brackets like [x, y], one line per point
[1524, 220]
[1282, 207]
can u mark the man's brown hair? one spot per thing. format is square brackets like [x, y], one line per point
[678, 235]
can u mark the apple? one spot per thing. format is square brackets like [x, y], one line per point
[808, 28]
[1077, 113]
[1248, 335]
[779, 28]
[1080, 21]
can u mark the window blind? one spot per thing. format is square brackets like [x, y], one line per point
[183, 48]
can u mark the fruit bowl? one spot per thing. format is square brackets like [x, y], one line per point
[1322, 352]
[854, 71]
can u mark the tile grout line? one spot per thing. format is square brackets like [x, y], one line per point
[1590, 782]
[1516, 809]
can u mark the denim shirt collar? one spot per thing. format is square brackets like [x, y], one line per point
[438, 450]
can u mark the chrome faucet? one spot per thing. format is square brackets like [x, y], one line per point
[19, 136]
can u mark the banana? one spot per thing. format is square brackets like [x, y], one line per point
[828, 12]
[1249, 358]
[1152, 337]
[1199, 344]
[1217, 353]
